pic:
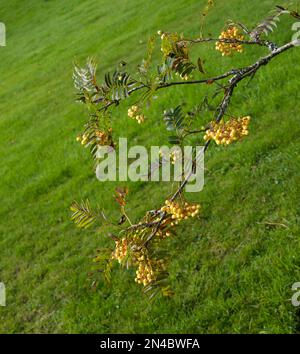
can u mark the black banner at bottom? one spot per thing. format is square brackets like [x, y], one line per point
[97, 343]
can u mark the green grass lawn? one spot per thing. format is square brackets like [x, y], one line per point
[233, 268]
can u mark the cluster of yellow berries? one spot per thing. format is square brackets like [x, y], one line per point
[179, 211]
[224, 133]
[227, 48]
[147, 269]
[135, 113]
[121, 250]
[144, 273]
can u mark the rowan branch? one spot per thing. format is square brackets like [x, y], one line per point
[240, 75]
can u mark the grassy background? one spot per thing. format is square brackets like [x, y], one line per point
[232, 272]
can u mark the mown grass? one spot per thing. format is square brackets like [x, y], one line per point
[233, 268]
